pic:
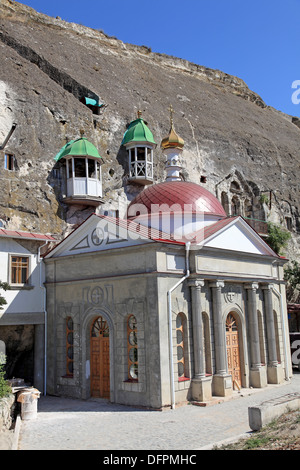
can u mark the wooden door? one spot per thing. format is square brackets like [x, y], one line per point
[233, 352]
[100, 367]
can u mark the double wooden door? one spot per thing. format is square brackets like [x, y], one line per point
[233, 351]
[100, 365]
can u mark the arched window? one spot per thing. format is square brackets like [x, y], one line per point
[248, 210]
[69, 347]
[132, 348]
[235, 187]
[181, 347]
[235, 206]
[225, 202]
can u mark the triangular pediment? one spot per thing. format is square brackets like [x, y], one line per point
[99, 233]
[234, 234]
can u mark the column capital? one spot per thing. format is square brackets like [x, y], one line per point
[218, 284]
[197, 283]
[251, 286]
[267, 286]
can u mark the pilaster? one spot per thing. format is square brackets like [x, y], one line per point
[274, 370]
[258, 378]
[222, 381]
[201, 385]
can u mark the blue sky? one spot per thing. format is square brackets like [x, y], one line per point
[257, 40]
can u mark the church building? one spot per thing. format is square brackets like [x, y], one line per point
[175, 302]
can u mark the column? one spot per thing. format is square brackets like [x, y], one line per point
[273, 370]
[258, 376]
[222, 381]
[199, 356]
[201, 385]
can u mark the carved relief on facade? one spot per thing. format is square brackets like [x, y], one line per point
[232, 294]
[98, 296]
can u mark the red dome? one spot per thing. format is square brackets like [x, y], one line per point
[178, 192]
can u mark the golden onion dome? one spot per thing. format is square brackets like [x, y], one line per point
[172, 140]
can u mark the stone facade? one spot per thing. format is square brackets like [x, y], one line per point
[135, 281]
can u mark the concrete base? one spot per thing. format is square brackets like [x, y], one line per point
[202, 389]
[275, 374]
[263, 414]
[258, 378]
[222, 385]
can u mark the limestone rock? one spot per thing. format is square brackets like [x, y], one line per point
[230, 134]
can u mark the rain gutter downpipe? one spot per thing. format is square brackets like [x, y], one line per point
[187, 274]
[45, 315]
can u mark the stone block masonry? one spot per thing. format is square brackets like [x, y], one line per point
[263, 414]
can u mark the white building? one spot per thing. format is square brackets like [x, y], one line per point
[22, 319]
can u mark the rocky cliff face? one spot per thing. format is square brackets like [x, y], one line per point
[245, 149]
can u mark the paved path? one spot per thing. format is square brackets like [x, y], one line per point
[66, 424]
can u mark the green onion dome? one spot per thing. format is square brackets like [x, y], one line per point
[138, 132]
[78, 148]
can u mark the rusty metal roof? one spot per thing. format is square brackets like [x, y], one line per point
[24, 235]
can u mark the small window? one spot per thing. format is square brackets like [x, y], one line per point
[9, 162]
[92, 168]
[69, 347]
[289, 224]
[80, 168]
[19, 270]
[132, 348]
[141, 154]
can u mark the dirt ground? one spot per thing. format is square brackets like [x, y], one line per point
[281, 434]
[6, 439]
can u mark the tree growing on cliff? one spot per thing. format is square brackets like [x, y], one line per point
[277, 238]
[4, 286]
[292, 276]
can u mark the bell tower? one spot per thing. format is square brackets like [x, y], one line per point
[172, 146]
[80, 164]
[139, 143]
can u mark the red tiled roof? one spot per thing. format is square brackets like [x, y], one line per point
[24, 235]
[138, 229]
[182, 193]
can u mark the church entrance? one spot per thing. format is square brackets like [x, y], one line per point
[100, 376]
[233, 351]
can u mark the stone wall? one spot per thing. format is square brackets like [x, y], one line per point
[231, 134]
[6, 412]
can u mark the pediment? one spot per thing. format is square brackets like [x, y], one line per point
[237, 235]
[98, 234]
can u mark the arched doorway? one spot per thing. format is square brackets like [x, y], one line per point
[100, 366]
[233, 351]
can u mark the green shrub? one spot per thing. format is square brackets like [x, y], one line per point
[277, 237]
[292, 274]
[5, 388]
[4, 286]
